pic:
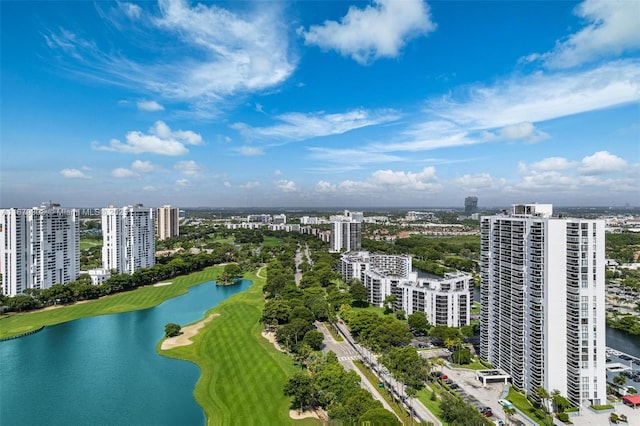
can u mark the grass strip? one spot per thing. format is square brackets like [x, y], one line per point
[424, 395]
[242, 374]
[522, 403]
[336, 336]
[140, 298]
[374, 380]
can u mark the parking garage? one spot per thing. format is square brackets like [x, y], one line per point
[490, 376]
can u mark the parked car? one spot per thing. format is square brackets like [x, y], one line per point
[486, 411]
[454, 386]
[505, 403]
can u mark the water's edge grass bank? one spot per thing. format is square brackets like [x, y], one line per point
[141, 298]
[242, 374]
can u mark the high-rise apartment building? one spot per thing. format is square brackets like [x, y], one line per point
[168, 222]
[128, 238]
[346, 231]
[39, 247]
[543, 307]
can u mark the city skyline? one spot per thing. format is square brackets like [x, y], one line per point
[276, 104]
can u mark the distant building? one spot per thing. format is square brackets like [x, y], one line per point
[444, 300]
[346, 231]
[279, 219]
[543, 301]
[470, 205]
[259, 218]
[168, 222]
[306, 220]
[98, 275]
[128, 238]
[39, 247]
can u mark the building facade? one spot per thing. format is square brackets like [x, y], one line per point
[168, 222]
[470, 205]
[40, 247]
[445, 300]
[128, 238]
[346, 232]
[543, 312]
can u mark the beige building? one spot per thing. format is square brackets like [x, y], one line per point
[168, 226]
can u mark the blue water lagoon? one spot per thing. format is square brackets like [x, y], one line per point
[104, 370]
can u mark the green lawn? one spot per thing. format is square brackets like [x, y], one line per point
[474, 365]
[272, 241]
[85, 244]
[141, 298]
[434, 406]
[242, 374]
[522, 403]
[475, 307]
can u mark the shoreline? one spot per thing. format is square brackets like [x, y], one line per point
[17, 323]
[186, 333]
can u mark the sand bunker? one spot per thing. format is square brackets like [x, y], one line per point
[189, 331]
[162, 284]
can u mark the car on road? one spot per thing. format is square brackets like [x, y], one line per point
[486, 411]
[505, 403]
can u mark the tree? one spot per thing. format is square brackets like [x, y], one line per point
[461, 356]
[172, 329]
[560, 403]
[508, 412]
[543, 394]
[359, 293]
[418, 321]
[233, 270]
[388, 301]
[620, 380]
[314, 339]
[300, 387]
[379, 416]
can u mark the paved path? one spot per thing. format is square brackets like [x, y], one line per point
[396, 387]
[346, 354]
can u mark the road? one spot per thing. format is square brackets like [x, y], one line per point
[346, 355]
[420, 411]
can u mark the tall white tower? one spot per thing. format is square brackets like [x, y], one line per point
[543, 307]
[39, 247]
[346, 231]
[128, 238]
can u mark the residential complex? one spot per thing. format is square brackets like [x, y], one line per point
[346, 231]
[445, 300]
[128, 238]
[168, 222]
[543, 307]
[40, 247]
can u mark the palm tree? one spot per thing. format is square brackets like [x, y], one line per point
[542, 393]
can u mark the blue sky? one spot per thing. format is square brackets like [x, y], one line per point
[320, 103]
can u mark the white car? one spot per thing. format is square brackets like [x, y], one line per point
[505, 403]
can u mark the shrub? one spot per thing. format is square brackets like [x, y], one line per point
[564, 417]
[172, 329]
[602, 407]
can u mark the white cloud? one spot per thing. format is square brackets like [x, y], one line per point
[149, 188]
[353, 156]
[277, 172]
[182, 182]
[422, 180]
[150, 106]
[521, 131]
[299, 126]
[123, 173]
[379, 30]
[479, 182]
[389, 182]
[286, 185]
[540, 97]
[612, 28]
[250, 185]
[227, 184]
[143, 166]
[133, 11]
[602, 162]
[553, 164]
[188, 168]
[160, 140]
[325, 187]
[215, 53]
[75, 173]
[250, 151]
